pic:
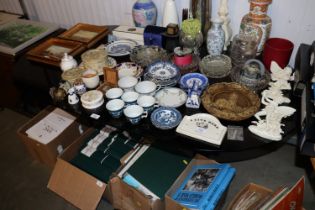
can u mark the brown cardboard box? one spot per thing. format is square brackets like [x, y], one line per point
[47, 153]
[76, 186]
[125, 197]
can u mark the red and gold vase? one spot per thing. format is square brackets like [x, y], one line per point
[257, 23]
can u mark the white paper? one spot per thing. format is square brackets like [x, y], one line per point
[50, 126]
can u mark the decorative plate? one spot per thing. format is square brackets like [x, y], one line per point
[230, 101]
[145, 55]
[171, 97]
[187, 81]
[215, 66]
[129, 69]
[203, 127]
[120, 47]
[166, 118]
[162, 70]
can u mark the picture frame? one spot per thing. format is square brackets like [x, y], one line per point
[17, 34]
[85, 33]
[110, 76]
[52, 50]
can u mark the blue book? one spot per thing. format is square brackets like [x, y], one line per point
[214, 199]
[200, 184]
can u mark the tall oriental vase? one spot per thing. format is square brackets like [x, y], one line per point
[257, 23]
[144, 12]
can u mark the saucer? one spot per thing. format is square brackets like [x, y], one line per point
[187, 81]
[120, 47]
[166, 118]
[171, 97]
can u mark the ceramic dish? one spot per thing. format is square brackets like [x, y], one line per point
[216, 66]
[230, 101]
[163, 83]
[120, 47]
[111, 63]
[129, 69]
[162, 70]
[166, 118]
[92, 98]
[145, 55]
[189, 80]
[171, 97]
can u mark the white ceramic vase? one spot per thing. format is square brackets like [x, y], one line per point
[170, 13]
[68, 62]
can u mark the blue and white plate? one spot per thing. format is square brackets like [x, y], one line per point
[166, 118]
[187, 81]
[120, 47]
[162, 70]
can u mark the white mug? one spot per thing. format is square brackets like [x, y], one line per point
[148, 103]
[135, 113]
[115, 107]
[114, 93]
[147, 88]
[130, 97]
[90, 78]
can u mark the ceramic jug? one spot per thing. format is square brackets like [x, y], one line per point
[144, 12]
[68, 62]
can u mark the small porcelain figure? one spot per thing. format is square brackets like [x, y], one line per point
[282, 76]
[193, 99]
[72, 96]
[276, 95]
[68, 62]
[270, 127]
[223, 14]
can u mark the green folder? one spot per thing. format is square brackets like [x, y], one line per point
[157, 170]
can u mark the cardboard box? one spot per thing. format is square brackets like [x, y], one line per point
[129, 32]
[47, 153]
[170, 203]
[74, 185]
[125, 197]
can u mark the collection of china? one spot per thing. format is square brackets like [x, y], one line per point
[129, 69]
[171, 97]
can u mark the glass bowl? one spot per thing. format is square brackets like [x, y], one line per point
[215, 66]
[145, 55]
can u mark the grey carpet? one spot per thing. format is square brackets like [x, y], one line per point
[23, 180]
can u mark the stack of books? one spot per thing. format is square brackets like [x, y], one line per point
[204, 186]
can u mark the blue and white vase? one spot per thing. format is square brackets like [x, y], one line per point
[144, 12]
[215, 37]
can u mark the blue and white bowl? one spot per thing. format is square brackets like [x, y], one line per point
[166, 118]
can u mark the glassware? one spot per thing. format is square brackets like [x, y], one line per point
[191, 41]
[215, 66]
[243, 48]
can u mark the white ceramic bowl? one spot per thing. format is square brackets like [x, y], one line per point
[146, 87]
[127, 83]
[113, 93]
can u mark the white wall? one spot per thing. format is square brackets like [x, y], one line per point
[292, 19]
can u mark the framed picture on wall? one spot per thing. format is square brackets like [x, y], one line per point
[52, 51]
[18, 34]
[85, 33]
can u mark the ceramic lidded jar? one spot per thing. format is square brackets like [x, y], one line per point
[257, 23]
[68, 62]
[144, 12]
[215, 37]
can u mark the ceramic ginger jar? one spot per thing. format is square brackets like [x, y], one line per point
[256, 23]
[144, 12]
[215, 37]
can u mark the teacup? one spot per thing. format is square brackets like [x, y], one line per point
[128, 83]
[90, 78]
[135, 113]
[130, 97]
[148, 103]
[114, 93]
[147, 88]
[115, 107]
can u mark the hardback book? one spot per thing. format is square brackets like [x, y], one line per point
[215, 197]
[201, 183]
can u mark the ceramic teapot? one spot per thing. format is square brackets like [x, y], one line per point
[68, 62]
